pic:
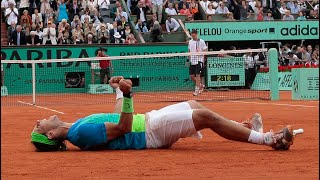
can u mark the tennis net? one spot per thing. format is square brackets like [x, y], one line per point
[227, 75]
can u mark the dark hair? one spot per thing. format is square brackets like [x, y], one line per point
[100, 49]
[40, 147]
[194, 31]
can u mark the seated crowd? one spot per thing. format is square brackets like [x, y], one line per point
[66, 22]
[35, 22]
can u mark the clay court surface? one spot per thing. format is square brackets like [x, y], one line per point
[210, 158]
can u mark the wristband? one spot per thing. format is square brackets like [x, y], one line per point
[127, 105]
[119, 93]
[128, 95]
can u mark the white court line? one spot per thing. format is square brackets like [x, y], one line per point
[41, 107]
[276, 104]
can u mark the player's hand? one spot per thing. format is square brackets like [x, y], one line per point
[114, 81]
[125, 86]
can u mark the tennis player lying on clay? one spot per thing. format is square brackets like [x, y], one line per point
[156, 129]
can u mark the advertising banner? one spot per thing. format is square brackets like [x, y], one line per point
[259, 30]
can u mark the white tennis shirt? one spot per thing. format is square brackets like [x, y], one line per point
[197, 46]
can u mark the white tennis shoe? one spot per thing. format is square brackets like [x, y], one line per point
[255, 123]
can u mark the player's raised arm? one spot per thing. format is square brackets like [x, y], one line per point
[124, 105]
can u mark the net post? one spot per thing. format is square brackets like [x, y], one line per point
[273, 72]
[33, 83]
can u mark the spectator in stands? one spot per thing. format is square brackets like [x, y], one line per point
[10, 31]
[283, 8]
[122, 23]
[75, 40]
[222, 9]
[79, 33]
[185, 11]
[24, 5]
[96, 19]
[268, 17]
[301, 16]
[33, 39]
[115, 10]
[11, 13]
[204, 4]
[210, 9]
[74, 8]
[39, 33]
[53, 5]
[130, 39]
[269, 5]
[156, 32]
[63, 38]
[86, 23]
[288, 16]
[290, 4]
[62, 25]
[37, 22]
[89, 39]
[305, 56]
[258, 11]
[76, 21]
[44, 7]
[105, 11]
[209, 17]
[194, 9]
[49, 35]
[24, 22]
[90, 30]
[103, 34]
[170, 10]
[49, 14]
[113, 31]
[313, 14]
[25, 15]
[117, 38]
[18, 37]
[92, 5]
[309, 49]
[181, 3]
[86, 15]
[36, 15]
[147, 4]
[172, 25]
[141, 27]
[34, 4]
[157, 8]
[253, 4]
[27, 31]
[126, 31]
[230, 17]
[141, 12]
[5, 4]
[151, 21]
[243, 9]
[62, 11]
[120, 14]
[295, 8]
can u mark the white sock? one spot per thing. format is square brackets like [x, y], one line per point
[256, 137]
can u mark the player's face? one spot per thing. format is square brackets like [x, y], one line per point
[45, 125]
[194, 36]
